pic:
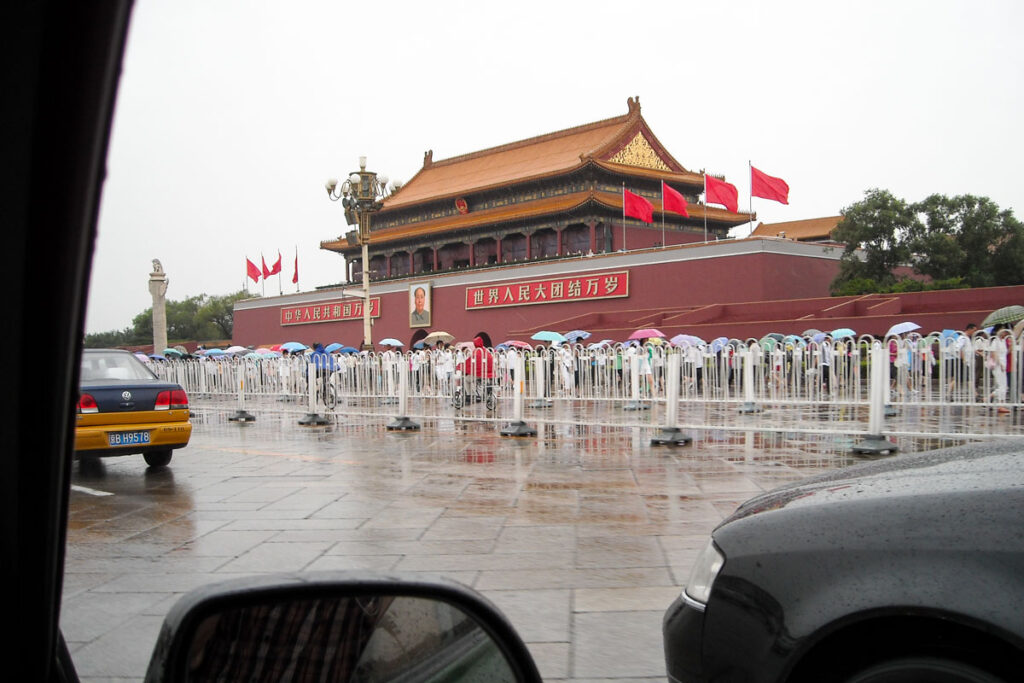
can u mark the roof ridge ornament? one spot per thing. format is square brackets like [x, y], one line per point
[634, 104]
[428, 158]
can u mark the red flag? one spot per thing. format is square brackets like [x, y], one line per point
[295, 278]
[720, 192]
[636, 206]
[673, 200]
[252, 270]
[768, 187]
[276, 268]
[266, 271]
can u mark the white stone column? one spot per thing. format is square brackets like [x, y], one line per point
[158, 289]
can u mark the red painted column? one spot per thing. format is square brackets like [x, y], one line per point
[498, 248]
[472, 254]
[411, 254]
[529, 245]
[435, 258]
[593, 236]
[558, 242]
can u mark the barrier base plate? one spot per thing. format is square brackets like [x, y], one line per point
[671, 436]
[518, 428]
[751, 408]
[875, 444]
[314, 420]
[636, 405]
[402, 424]
[242, 416]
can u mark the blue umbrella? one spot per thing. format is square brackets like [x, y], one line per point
[348, 349]
[576, 335]
[418, 345]
[293, 346]
[157, 356]
[843, 332]
[391, 341]
[548, 336]
[332, 347]
[215, 352]
[719, 344]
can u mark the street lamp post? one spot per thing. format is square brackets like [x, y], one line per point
[361, 194]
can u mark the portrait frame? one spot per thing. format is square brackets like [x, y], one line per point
[422, 318]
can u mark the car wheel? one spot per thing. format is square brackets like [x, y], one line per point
[157, 458]
[916, 669]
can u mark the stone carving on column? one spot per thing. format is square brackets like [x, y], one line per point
[158, 290]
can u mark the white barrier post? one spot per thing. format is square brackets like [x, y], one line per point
[518, 427]
[241, 415]
[401, 422]
[749, 405]
[312, 418]
[670, 432]
[634, 386]
[875, 441]
[540, 386]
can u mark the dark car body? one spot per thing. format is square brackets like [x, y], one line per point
[123, 408]
[919, 556]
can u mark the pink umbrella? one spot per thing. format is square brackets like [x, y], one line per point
[647, 333]
[516, 344]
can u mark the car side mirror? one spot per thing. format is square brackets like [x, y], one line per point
[338, 626]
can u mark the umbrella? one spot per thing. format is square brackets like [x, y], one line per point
[214, 352]
[548, 336]
[236, 349]
[391, 341]
[348, 349]
[157, 356]
[600, 344]
[810, 332]
[768, 342]
[275, 347]
[843, 332]
[439, 336]
[174, 353]
[332, 347]
[576, 335]
[1004, 316]
[777, 336]
[515, 344]
[292, 347]
[647, 333]
[465, 345]
[419, 345]
[719, 343]
[687, 339]
[267, 353]
[901, 328]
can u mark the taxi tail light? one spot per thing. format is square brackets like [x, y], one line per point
[87, 404]
[169, 399]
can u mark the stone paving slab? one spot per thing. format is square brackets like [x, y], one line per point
[582, 535]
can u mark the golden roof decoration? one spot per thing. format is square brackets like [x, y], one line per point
[640, 153]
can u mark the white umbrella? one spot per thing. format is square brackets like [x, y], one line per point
[390, 341]
[901, 328]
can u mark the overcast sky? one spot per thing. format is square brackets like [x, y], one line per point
[231, 115]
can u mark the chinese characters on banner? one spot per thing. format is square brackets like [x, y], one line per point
[328, 311]
[552, 291]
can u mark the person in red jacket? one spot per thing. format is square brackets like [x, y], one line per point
[478, 369]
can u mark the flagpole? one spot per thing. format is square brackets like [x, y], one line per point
[662, 214]
[705, 207]
[623, 215]
[750, 209]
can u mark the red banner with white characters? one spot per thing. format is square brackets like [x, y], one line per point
[328, 311]
[551, 291]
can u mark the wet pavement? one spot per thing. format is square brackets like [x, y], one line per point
[582, 535]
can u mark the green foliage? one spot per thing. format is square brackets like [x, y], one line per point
[962, 241]
[196, 318]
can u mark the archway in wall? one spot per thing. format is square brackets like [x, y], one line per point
[416, 336]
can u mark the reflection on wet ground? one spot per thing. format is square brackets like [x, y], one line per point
[582, 535]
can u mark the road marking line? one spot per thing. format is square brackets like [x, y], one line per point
[91, 492]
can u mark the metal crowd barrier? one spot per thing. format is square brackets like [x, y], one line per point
[932, 371]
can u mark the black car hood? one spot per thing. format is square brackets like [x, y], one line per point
[978, 467]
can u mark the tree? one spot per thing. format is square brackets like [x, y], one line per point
[218, 312]
[968, 237]
[874, 231]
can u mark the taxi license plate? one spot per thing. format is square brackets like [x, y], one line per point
[128, 438]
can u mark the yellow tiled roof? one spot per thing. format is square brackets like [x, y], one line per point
[807, 229]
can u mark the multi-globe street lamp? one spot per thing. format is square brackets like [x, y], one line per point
[361, 194]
